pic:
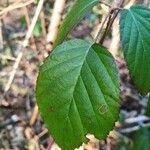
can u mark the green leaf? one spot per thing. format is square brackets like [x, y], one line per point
[78, 11]
[78, 92]
[135, 37]
[142, 139]
[37, 29]
[23, 21]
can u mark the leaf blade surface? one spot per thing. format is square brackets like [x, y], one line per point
[135, 38]
[78, 92]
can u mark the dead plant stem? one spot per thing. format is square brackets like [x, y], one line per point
[112, 16]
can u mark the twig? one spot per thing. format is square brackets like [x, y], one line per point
[13, 71]
[28, 27]
[55, 21]
[101, 28]
[34, 116]
[135, 123]
[34, 20]
[23, 45]
[114, 10]
[45, 131]
[1, 36]
[42, 18]
[140, 118]
[15, 6]
[109, 21]
[107, 27]
[134, 128]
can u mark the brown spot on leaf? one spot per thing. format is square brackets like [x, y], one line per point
[51, 109]
[103, 109]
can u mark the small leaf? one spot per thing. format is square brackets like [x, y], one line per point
[135, 37]
[78, 92]
[78, 11]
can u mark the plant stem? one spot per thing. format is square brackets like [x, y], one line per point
[107, 28]
[101, 28]
[112, 16]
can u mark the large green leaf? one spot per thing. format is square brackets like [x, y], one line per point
[78, 92]
[135, 37]
[77, 12]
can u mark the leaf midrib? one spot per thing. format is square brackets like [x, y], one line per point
[137, 26]
[132, 14]
[79, 75]
[73, 99]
